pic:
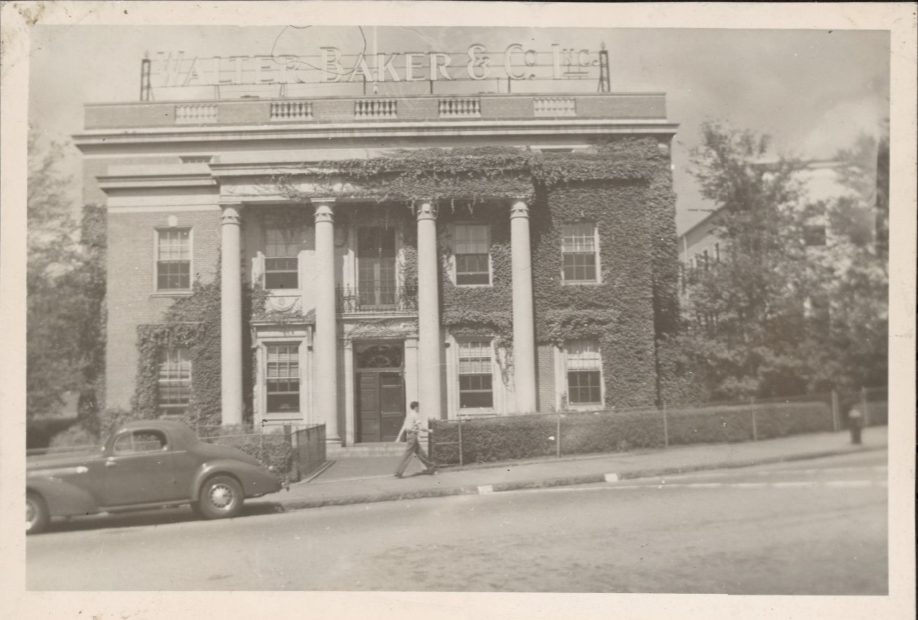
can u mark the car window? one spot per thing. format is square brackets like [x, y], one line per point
[139, 441]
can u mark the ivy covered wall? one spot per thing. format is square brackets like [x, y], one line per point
[622, 185]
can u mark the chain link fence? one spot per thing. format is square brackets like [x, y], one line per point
[488, 439]
[293, 450]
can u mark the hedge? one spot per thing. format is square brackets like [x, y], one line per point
[535, 436]
[271, 449]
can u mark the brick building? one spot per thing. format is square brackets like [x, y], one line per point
[515, 254]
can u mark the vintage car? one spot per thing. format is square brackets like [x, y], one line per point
[146, 464]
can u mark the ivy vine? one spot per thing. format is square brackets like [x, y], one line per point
[623, 185]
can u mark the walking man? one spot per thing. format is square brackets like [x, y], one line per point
[412, 427]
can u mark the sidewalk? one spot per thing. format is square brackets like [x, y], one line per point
[360, 481]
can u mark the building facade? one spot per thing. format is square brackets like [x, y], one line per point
[330, 260]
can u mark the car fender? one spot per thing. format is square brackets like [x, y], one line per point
[62, 497]
[255, 479]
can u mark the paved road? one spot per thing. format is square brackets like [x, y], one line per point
[810, 527]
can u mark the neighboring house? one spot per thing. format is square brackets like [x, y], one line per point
[700, 247]
[373, 299]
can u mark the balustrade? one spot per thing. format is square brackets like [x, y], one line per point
[554, 106]
[376, 108]
[378, 298]
[459, 108]
[291, 111]
[195, 114]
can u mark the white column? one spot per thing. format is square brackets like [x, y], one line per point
[349, 418]
[325, 343]
[411, 371]
[428, 313]
[231, 317]
[524, 376]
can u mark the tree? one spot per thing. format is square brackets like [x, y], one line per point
[854, 271]
[65, 286]
[745, 313]
[775, 317]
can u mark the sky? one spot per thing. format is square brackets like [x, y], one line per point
[812, 91]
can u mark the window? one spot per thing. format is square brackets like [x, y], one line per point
[282, 247]
[174, 381]
[705, 259]
[376, 271]
[283, 378]
[173, 260]
[814, 235]
[472, 250]
[139, 442]
[584, 373]
[475, 390]
[578, 249]
[717, 253]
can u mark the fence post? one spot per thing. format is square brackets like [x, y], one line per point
[864, 407]
[665, 427]
[835, 412]
[460, 441]
[755, 430]
[558, 435]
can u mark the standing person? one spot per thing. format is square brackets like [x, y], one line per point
[412, 427]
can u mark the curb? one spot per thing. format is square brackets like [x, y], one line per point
[546, 483]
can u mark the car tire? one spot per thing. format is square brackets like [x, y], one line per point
[221, 498]
[37, 516]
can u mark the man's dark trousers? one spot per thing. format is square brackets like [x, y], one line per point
[413, 447]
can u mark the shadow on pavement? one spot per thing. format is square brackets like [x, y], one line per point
[146, 518]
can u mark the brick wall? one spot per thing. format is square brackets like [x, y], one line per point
[131, 299]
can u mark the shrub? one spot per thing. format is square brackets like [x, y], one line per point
[878, 412]
[74, 437]
[111, 420]
[534, 436]
[583, 433]
[271, 449]
[783, 419]
[714, 425]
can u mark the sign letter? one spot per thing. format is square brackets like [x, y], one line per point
[410, 67]
[482, 63]
[361, 68]
[435, 58]
[331, 65]
[383, 65]
[508, 65]
[171, 69]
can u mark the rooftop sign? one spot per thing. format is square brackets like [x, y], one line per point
[331, 66]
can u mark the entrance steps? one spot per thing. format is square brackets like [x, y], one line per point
[387, 448]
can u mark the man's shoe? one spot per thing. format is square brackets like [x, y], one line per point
[399, 476]
[431, 471]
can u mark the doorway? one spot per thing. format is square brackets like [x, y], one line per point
[380, 386]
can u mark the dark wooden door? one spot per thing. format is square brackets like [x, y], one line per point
[380, 405]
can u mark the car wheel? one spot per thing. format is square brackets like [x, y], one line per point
[37, 516]
[221, 498]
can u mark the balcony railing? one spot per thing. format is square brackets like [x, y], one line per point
[376, 108]
[196, 114]
[376, 299]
